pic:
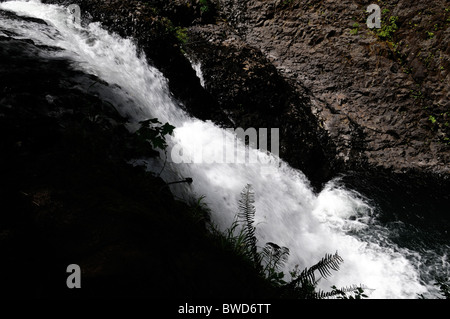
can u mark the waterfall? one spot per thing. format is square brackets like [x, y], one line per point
[288, 212]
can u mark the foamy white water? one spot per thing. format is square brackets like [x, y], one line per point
[197, 66]
[288, 212]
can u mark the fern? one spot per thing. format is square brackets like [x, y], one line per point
[269, 261]
[304, 285]
[246, 216]
[274, 256]
[351, 292]
[324, 266]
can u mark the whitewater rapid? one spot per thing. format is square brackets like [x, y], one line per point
[288, 212]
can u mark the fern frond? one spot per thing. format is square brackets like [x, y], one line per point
[349, 292]
[324, 266]
[246, 216]
[274, 256]
[336, 292]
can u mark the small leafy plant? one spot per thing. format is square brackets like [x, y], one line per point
[204, 6]
[432, 119]
[388, 28]
[355, 29]
[444, 286]
[153, 131]
[270, 260]
[349, 293]
[181, 35]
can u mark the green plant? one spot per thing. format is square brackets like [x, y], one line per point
[153, 131]
[388, 28]
[246, 216]
[304, 284]
[199, 210]
[447, 140]
[169, 29]
[428, 59]
[349, 293]
[272, 257]
[416, 95]
[181, 35]
[286, 3]
[444, 286]
[355, 29]
[204, 6]
[407, 70]
[269, 261]
[432, 119]
[430, 35]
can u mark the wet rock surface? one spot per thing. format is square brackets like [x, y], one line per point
[346, 98]
[377, 97]
[377, 101]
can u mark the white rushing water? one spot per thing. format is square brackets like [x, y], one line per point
[288, 212]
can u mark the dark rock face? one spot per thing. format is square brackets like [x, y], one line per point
[154, 35]
[374, 96]
[343, 97]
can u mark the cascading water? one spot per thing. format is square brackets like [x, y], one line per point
[288, 212]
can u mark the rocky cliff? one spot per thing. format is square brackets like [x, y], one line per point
[381, 95]
[344, 96]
